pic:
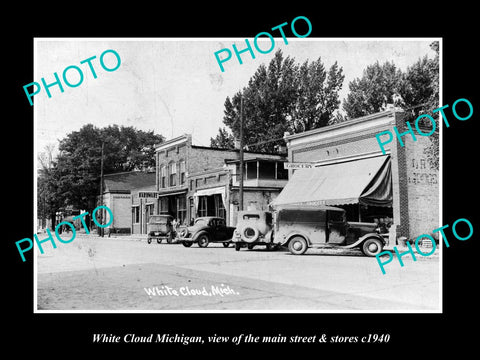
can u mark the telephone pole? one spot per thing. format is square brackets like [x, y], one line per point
[101, 190]
[240, 193]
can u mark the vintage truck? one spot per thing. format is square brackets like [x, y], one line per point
[299, 227]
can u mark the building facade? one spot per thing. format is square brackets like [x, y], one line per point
[401, 184]
[117, 196]
[193, 181]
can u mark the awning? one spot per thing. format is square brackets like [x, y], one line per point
[171, 192]
[208, 192]
[366, 181]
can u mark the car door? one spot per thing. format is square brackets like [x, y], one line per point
[220, 230]
[337, 229]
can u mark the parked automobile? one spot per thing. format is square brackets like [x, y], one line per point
[160, 227]
[254, 228]
[301, 227]
[206, 230]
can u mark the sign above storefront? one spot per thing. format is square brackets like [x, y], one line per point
[148, 194]
[298, 166]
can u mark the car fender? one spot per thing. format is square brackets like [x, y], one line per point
[269, 236]
[201, 232]
[292, 234]
[363, 238]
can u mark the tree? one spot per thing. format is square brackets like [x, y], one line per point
[317, 95]
[378, 87]
[283, 96]
[416, 91]
[223, 140]
[420, 95]
[74, 178]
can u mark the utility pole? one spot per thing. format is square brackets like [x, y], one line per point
[241, 155]
[101, 190]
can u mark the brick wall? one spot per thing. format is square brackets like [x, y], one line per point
[252, 199]
[423, 188]
[173, 154]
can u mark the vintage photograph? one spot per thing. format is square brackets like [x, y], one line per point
[233, 175]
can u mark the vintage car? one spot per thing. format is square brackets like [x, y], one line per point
[160, 227]
[301, 227]
[253, 228]
[206, 230]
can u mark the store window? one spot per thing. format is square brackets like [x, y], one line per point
[182, 209]
[163, 205]
[202, 206]
[219, 207]
[135, 214]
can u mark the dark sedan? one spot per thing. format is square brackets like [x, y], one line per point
[206, 230]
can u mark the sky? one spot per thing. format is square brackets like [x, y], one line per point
[174, 86]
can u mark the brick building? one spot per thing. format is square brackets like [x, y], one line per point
[193, 181]
[350, 171]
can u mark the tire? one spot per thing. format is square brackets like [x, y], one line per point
[297, 245]
[170, 239]
[183, 233]
[249, 234]
[203, 241]
[226, 244]
[159, 241]
[238, 246]
[270, 247]
[187, 243]
[149, 240]
[372, 247]
[250, 246]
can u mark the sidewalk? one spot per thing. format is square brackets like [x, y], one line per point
[401, 247]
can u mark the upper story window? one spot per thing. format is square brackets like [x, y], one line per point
[163, 176]
[182, 172]
[172, 169]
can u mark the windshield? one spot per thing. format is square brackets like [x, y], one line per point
[158, 219]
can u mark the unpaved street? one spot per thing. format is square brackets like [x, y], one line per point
[93, 273]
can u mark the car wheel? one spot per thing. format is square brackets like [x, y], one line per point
[238, 246]
[249, 234]
[187, 243]
[226, 244]
[149, 240]
[170, 239]
[183, 233]
[203, 241]
[372, 247]
[250, 246]
[270, 247]
[297, 245]
[159, 241]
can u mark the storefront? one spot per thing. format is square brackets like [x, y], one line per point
[363, 187]
[175, 204]
[210, 202]
[349, 170]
